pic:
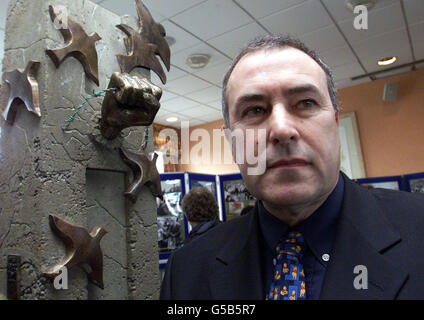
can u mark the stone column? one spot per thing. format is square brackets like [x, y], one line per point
[47, 170]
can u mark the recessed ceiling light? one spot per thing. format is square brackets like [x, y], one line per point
[197, 61]
[386, 61]
[351, 4]
[172, 119]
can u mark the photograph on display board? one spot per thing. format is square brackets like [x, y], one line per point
[417, 185]
[415, 182]
[393, 183]
[236, 197]
[170, 216]
[206, 184]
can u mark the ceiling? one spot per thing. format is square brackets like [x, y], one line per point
[220, 27]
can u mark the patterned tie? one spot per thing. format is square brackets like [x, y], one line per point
[288, 282]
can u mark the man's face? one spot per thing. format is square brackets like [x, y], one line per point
[285, 92]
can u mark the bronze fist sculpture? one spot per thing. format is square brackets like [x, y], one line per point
[134, 102]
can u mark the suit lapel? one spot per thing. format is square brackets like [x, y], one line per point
[363, 236]
[237, 272]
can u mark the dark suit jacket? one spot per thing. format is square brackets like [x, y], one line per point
[382, 230]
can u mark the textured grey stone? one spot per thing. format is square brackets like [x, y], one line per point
[71, 173]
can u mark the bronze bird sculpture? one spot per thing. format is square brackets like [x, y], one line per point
[82, 248]
[79, 45]
[144, 173]
[144, 44]
[23, 86]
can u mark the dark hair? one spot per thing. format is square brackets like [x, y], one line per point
[199, 205]
[277, 41]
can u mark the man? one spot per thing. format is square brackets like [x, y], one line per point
[201, 210]
[313, 233]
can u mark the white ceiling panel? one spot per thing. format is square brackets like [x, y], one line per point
[323, 39]
[166, 95]
[178, 123]
[173, 74]
[170, 8]
[414, 11]
[262, 8]
[121, 7]
[340, 12]
[196, 122]
[212, 18]
[205, 95]
[2, 35]
[197, 111]
[213, 118]
[214, 74]
[216, 58]
[347, 71]
[387, 45]
[3, 13]
[298, 20]
[380, 21]
[157, 16]
[1, 44]
[217, 104]
[338, 56]
[345, 83]
[124, 7]
[162, 113]
[417, 35]
[201, 26]
[186, 85]
[211, 115]
[231, 42]
[183, 40]
[178, 104]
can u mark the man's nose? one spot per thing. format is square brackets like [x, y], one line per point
[282, 125]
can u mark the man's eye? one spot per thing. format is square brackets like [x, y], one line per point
[307, 103]
[254, 111]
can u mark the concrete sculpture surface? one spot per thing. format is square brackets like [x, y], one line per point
[50, 174]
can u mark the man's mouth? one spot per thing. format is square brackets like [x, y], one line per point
[289, 163]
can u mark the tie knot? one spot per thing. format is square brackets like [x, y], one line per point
[293, 244]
